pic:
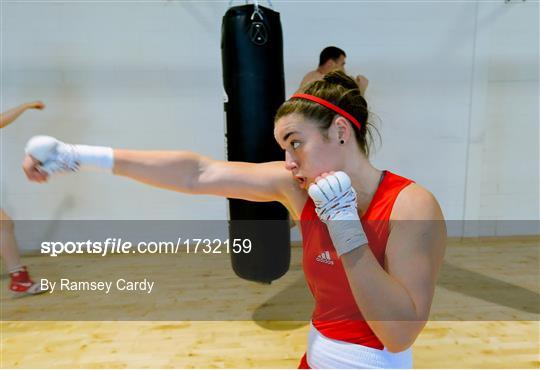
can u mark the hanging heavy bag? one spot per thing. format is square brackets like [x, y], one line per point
[253, 78]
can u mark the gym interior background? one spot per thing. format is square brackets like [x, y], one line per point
[453, 86]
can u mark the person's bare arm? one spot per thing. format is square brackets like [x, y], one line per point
[396, 301]
[362, 83]
[11, 115]
[192, 173]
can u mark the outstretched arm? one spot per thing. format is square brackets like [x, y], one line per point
[189, 172]
[11, 115]
[180, 171]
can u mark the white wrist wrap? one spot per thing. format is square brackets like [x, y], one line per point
[99, 158]
[56, 156]
[335, 204]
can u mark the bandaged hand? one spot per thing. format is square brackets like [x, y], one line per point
[335, 204]
[55, 156]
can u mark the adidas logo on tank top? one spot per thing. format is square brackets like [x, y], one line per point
[324, 257]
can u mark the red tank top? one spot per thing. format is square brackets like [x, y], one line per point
[336, 313]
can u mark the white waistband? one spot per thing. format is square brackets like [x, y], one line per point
[326, 353]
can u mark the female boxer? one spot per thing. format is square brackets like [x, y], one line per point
[373, 241]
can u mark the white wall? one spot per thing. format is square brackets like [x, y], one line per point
[455, 86]
[503, 165]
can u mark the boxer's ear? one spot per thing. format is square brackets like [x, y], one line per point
[343, 129]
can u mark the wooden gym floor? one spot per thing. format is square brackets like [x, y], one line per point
[485, 314]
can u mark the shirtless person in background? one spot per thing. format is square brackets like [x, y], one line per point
[332, 58]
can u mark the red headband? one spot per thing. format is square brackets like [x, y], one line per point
[328, 105]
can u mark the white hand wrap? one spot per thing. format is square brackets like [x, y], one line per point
[56, 156]
[335, 204]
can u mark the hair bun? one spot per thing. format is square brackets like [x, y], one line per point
[339, 77]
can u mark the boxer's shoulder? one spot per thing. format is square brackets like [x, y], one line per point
[415, 202]
[292, 195]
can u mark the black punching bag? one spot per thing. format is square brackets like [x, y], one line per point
[253, 78]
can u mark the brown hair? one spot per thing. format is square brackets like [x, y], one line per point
[341, 90]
